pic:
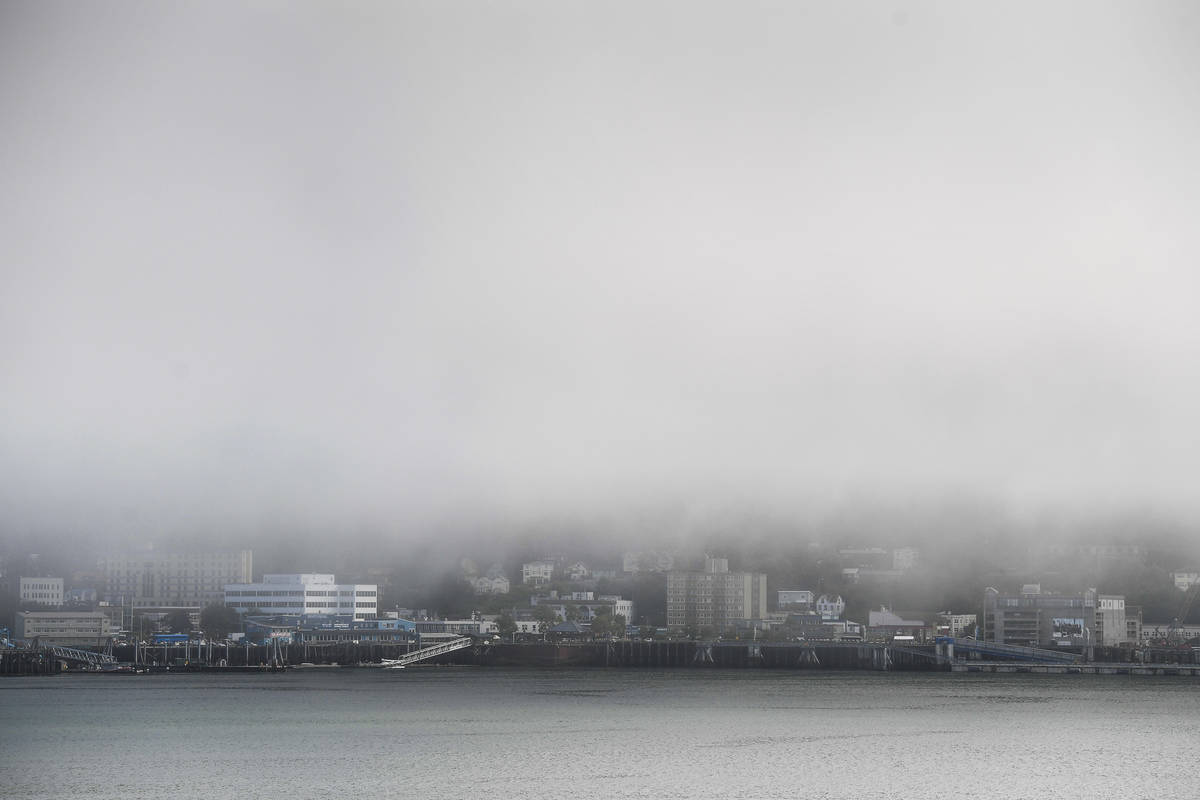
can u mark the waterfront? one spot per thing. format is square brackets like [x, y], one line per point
[462, 732]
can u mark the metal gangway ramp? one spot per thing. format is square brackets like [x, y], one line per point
[79, 656]
[947, 647]
[433, 650]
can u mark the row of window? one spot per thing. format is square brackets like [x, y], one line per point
[298, 604]
[275, 593]
[295, 593]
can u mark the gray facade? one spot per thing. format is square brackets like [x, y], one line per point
[1032, 618]
[716, 597]
[67, 628]
[158, 579]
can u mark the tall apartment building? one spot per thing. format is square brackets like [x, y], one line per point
[43, 591]
[304, 594]
[156, 580]
[1034, 618]
[715, 597]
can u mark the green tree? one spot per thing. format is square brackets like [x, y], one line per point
[178, 621]
[546, 617]
[605, 623]
[218, 621]
[142, 627]
[506, 625]
[649, 594]
[452, 596]
[601, 622]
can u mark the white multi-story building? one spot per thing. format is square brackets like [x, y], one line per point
[956, 625]
[620, 606]
[304, 594]
[172, 580]
[67, 628]
[44, 591]
[585, 605]
[528, 626]
[537, 573]
[795, 598]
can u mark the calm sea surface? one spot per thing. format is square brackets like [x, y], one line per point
[466, 732]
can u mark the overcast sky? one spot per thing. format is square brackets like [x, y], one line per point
[396, 261]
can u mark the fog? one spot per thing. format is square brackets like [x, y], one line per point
[437, 267]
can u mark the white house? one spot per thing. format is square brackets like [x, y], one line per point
[830, 606]
[537, 573]
[491, 585]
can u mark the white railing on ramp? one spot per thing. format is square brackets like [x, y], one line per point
[430, 652]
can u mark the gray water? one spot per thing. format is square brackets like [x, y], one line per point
[464, 733]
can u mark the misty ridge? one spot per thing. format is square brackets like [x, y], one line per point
[961, 547]
[409, 285]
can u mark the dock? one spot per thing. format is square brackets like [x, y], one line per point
[1122, 668]
[945, 656]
